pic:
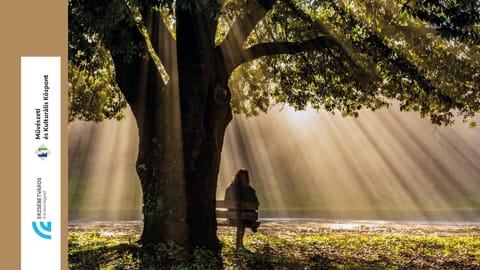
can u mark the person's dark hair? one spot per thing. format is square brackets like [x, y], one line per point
[241, 178]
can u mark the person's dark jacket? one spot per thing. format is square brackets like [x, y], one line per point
[240, 193]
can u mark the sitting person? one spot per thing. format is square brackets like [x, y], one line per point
[241, 190]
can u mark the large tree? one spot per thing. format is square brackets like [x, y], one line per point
[184, 66]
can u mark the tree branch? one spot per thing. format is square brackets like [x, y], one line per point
[240, 30]
[329, 45]
[275, 48]
[243, 26]
[238, 55]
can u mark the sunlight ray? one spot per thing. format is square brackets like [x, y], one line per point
[312, 162]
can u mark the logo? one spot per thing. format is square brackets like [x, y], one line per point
[42, 152]
[45, 229]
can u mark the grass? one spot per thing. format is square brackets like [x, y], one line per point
[281, 250]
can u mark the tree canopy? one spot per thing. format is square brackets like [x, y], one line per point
[339, 56]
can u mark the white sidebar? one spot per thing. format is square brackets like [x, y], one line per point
[40, 163]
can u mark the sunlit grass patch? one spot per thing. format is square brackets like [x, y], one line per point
[101, 250]
[94, 250]
[369, 252]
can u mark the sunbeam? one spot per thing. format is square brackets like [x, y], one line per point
[382, 165]
[103, 184]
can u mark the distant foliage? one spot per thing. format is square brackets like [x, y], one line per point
[92, 90]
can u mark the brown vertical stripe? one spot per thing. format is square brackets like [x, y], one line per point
[27, 28]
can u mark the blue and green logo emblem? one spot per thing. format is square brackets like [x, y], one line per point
[42, 152]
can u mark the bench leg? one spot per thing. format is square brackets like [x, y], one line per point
[240, 233]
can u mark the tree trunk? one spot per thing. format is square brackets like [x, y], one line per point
[205, 106]
[181, 130]
[160, 161]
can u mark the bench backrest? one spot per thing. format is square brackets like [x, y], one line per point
[237, 210]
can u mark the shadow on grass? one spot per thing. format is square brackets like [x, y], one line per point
[97, 257]
[169, 256]
[267, 258]
[133, 256]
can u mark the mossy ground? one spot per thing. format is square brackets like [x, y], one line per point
[292, 245]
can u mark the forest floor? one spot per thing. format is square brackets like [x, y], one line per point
[289, 245]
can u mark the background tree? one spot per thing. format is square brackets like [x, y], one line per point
[184, 66]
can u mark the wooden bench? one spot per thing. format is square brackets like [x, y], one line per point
[237, 214]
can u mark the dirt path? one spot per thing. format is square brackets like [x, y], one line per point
[306, 228]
